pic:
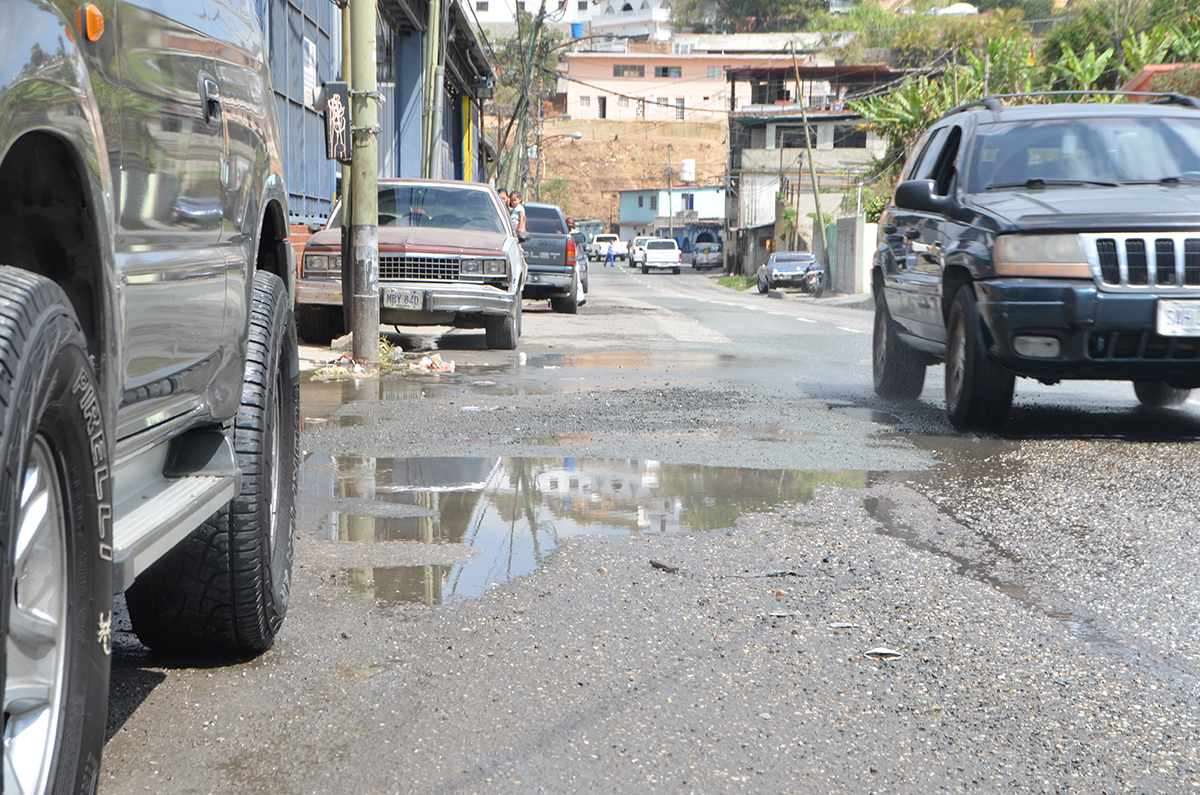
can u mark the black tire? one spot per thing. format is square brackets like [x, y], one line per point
[675, 270]
[645, 269]
[319, 325]
[979, 393]
[1159, 394]
[225, 588]
[898, 371]
[762, 285]
[501, 333]
[55, 510]
[569, 304]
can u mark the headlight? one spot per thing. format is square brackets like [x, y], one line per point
[323, 264]
[471, 267]
[496, 267]
[1048, 256]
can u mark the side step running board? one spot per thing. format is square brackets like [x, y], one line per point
[163, 494]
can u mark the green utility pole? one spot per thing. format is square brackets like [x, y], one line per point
[364, 225]
[514, 153]
[812, 169]
[347, 177]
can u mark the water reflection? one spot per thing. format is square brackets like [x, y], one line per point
[514, 511]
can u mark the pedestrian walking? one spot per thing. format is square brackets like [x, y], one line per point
[608, 257]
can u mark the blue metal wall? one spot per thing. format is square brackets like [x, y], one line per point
[286, 23]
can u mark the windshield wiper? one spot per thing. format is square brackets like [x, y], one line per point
[1038, 182]
[1190, 176]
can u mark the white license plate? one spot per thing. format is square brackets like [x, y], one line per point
[397, 298]
[1178, 318]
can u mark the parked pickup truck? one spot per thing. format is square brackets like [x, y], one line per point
[601, 243]
[661, 254]
[556, 268]
[637, 250]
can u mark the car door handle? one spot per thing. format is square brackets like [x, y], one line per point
[210, 98]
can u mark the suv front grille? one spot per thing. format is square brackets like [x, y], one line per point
[1138, 261]
[418, 268]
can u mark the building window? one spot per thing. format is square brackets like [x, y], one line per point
[848, 136]
[689, 201]
[626, 7]
[792, 138]
[664, 102]
[585, 102]
[668, 71]
[680, 48]
[628, 70]
[622, 102]
[654, 203]
[520, 5]
[679, 107]
[714, 73]
[639, 109]
[583, 4]
[640, 200]
[481, 5]
[601, 107]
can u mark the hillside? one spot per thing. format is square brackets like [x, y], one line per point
[615, 156]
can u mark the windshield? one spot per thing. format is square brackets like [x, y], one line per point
[437, 206]
[544, 220]
[1101, 151]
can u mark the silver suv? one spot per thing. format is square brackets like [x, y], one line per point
[149, 389]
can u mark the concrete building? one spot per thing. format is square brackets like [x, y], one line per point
[683, 79]
[688, 213]
[768, 164]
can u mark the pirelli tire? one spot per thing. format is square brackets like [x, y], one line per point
[56, 535]
[224, 589]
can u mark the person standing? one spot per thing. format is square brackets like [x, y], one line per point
[516, 212]
[608, 257]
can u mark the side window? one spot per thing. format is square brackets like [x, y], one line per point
[922, 165]
[944, 170]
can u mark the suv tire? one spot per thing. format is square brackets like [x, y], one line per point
[56, 530]
[978, 393]
[1159, 394]
[225, 587]
[897, 370]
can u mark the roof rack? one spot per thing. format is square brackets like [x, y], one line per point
[993, 101]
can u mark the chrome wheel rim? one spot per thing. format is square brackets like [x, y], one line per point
[37, 621]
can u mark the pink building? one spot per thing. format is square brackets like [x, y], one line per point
[656, 82]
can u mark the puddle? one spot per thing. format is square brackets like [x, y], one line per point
[512, 512]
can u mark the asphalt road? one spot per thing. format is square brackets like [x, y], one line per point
[674, 543]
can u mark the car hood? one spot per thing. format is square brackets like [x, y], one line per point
[1126, 207]
[442, 241]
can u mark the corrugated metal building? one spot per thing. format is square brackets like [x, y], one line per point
[304, 41]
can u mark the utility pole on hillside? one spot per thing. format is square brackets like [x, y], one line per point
[812, 171]
[670, 198]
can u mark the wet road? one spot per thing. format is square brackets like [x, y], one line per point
[658, 551]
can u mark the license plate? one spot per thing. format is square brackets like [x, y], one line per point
[397, 298]
[1179, 318]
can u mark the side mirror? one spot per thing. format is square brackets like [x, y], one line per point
[523, 236]
[921, 195]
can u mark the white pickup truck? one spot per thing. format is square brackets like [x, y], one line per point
[598, 248]
[661, 254]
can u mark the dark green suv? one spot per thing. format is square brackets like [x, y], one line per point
[148, 362]
[1048, 241]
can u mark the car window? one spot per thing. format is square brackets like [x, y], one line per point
[927, 158]
[657, 244]
[1074, 150]
[943, 168]
[437, 206]
[545, 220]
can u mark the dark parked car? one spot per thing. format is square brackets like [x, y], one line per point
[149, 404]
[1048, 241]
[792, 269]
